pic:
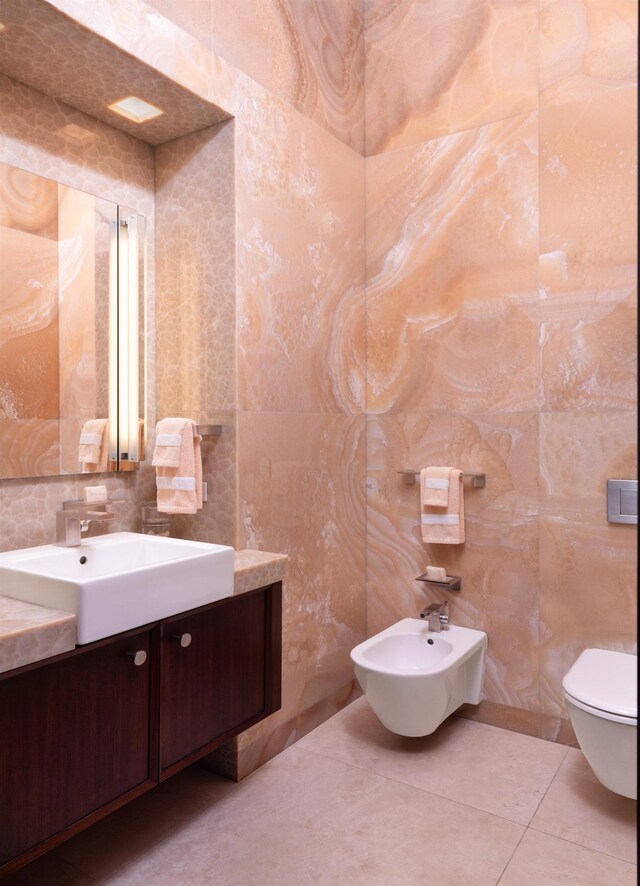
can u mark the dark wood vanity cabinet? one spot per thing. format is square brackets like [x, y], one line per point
[85, 732]
[213, 676]
[75, 734]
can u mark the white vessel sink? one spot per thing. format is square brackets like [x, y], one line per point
[119, 581]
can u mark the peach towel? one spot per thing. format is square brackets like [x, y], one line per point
[434, 486]
[179, 489]
[93, 449]
[445, 527]
[168, 442]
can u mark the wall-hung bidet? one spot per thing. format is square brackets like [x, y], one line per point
[601, 695]
[414, 677]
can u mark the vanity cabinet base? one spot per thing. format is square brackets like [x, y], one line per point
[87, 731]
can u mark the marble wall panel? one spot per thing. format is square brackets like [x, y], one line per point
[583, 41]
[441, 67]
[579, 452]
[309, 53]
[452, 302]
[194, 17]
[498, 561]
[299, 205]
[588, 567]
[48, 138]
[301, 493]
[588, 233]
[588, 576]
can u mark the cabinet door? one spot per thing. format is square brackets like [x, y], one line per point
[212, 676]
[74, 735]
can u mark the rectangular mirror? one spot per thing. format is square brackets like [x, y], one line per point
[72, 284]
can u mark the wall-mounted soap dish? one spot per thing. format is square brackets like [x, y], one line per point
[451, 583]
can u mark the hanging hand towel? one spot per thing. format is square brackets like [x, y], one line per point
[434, 486]
[168, 442]
[180, 488]
[445, 526]
[93, 449]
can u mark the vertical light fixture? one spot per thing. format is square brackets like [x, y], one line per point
[130, 307]
[124, 410]
[113, 341]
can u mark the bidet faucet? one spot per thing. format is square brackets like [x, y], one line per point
[437, 614]
[72, 523]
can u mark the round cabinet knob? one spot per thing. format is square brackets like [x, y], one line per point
[139, 657]
[185, 639]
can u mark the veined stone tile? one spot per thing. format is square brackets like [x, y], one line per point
[441, 67]
[588, 594]
[301, 494]
[300, 265]
[588, 225]
[585, 41]
[452, 246]
[579, 452]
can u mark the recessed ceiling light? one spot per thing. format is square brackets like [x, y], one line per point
[134, 108]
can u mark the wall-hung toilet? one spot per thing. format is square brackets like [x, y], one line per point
[414, 678]
[601, 695]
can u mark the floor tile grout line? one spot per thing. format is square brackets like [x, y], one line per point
[582, 846]
[504, 870]
[555, 775]
[416, 788]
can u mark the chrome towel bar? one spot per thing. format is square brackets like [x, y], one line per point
[478, 479]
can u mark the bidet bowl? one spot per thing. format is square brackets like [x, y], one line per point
[409, 647]
[413, 677]
[116, 582]
[407, 652]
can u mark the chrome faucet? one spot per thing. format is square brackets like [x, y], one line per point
[70, 524]
[437, 614]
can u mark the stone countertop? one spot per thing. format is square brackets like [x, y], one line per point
[30, 633]
[256, 569]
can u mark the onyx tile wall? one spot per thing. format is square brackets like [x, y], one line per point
[301, 423]
[501, 304]
[498, 321]
[588, 285]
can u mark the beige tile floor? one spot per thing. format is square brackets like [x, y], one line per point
[353, 804]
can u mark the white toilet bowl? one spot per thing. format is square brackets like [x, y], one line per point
[413, 677]
[600, 692]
